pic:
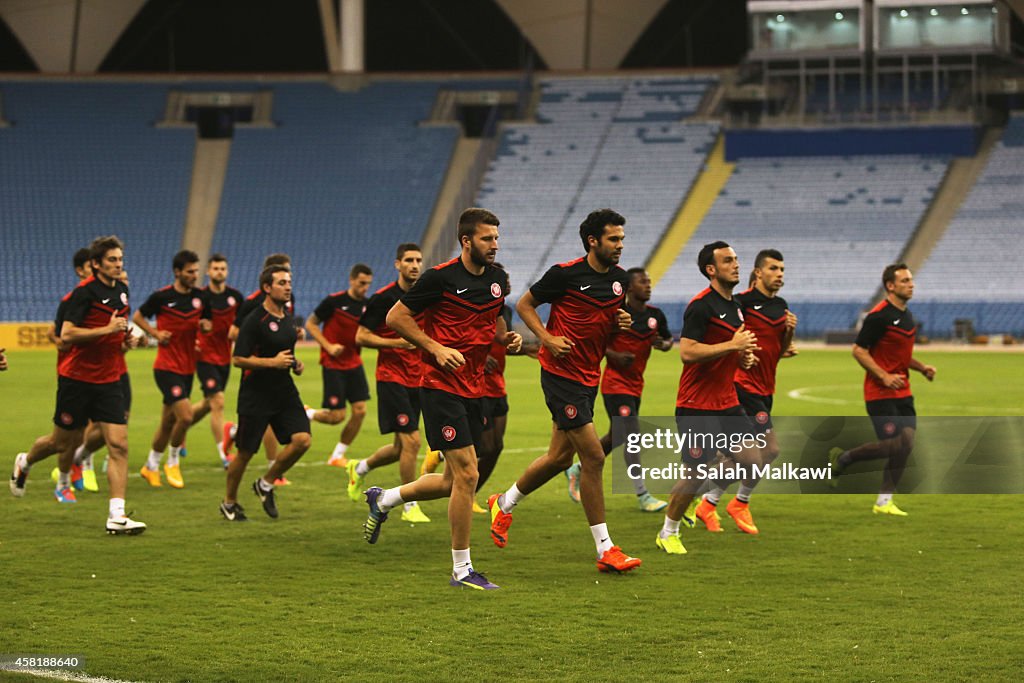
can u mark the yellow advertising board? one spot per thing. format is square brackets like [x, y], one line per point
[23, 336]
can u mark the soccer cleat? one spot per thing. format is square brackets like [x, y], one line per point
[19, 474]
[649, 503]
[76, 477]
[500, 521]
[837, 469]
[124, 526]
[89, 480]
[267, 498]
[377, 517]
[740, 513]
[64, 495]
[337, 461]
[888, 509]
[228, 441]
[282, 481]
[573, 476]
[616, 561]
[474, 580]
[173, 474]
[152, 476]
[355, 482]
[431, 461]
[673, 545]
[414, 514]
[690, 514]
[226, 459]
[707, 513]
[233, 512]
[477, 509]
[183, 453]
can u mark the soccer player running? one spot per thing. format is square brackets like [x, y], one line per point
[767, 315]
[89, 375]
[213, 366]
[713, 341]
[622, 383]
[885, 349]
[181, 312]
[399, 367]
[267, 396]
[462, 301]
[344, 380]
[586, 297]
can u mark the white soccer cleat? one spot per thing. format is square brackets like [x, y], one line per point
[124, 526]
[18, 475]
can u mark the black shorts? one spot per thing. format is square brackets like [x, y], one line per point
[126, 393]
[621, 405]
[571, 404]
[451, 421]
[732, 423]
[291, 420]
[213, 378]
[758, 407]
[344, 386]
[891, 416]
[398, 408]
[78, 402]
[492, 407]
[173, 386]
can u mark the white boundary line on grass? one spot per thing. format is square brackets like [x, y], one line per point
[63, 675]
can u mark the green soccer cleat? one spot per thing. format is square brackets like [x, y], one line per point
[355, 482]
[672, 545]
[649, 503]
[888, 509]
[414, 514]
[837, 469]
[690, 514]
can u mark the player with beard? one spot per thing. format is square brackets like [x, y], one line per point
[586, 297]
[461, 301]
[181, 312]
[885, 349]
[214, 365]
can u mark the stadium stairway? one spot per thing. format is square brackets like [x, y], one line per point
[695, 206]
[209, 168]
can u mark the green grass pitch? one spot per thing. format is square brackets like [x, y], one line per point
[826, 592]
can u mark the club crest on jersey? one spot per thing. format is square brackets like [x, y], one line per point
[211, 383]
[616, 288]
[175, 391]
[124, 298]
[402, 419]
[231, 301]
[652, 324]
[333, 400]
[762, 418]
[66, 418]
[273, 326]
[448, 432]
[889, 428]
[624, 411]
[696, 453]
[571, 412]
[196, 303]
[495, 290]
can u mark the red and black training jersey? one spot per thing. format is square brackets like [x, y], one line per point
[254, 301]
[765, 316]
[888, 335]
[494, 380]
[58, 321]
[215, 348]
[401, 366]
[266, 391]
[340, 313]
[461, 312]
[178, 313]
[91, 305]
[649, 325]
[584, 308]
[710, 318]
